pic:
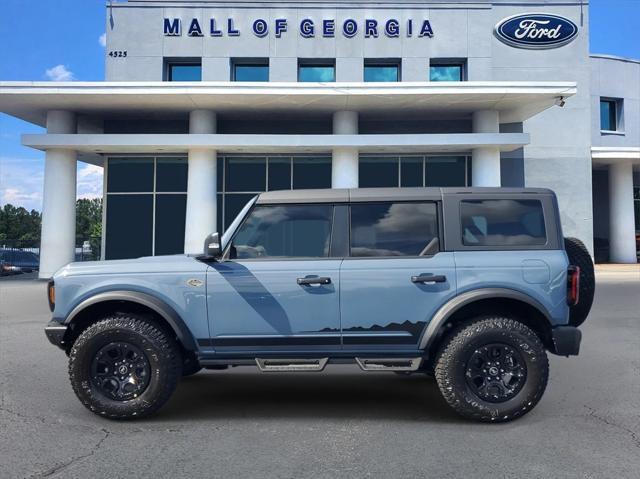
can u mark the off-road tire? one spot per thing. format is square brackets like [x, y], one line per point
[452, 360]
[160, 349]
[579, 256]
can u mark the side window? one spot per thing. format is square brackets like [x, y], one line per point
[502, 223]
[288, 231]
[392, 229]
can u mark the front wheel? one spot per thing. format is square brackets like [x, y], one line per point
[124, 367]
[494, 370]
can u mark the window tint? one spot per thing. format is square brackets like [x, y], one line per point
[381, 72]
[251, 71]
[608, 115]
[129, 226]
[302, 231]
[170, 224]
[311, 173]
[446, 72]
[502, 223]
[130, 174]
[171, 174]
[317, 72]
[184, 72]
[392, 229]
[376, 172]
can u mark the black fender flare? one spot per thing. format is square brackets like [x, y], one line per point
[458, 302]
[165, 311]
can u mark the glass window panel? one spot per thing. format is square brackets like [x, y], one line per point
[411, 172]
[378, 172]
[220, 173]
[502, 222]
[311, 173]
[279, 174]
[392, 229]
[129, 226]
[445, 171]
[445, 73]
[185, 72]
[251, 73]
[246, 174]
[130, 175]
[171, 174]
[170, 223]
[220, 214]
[285, 231]
[317, 73]
[381, 73]
[233, 204]
[608, 115]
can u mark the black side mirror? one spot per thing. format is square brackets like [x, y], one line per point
[212, 246]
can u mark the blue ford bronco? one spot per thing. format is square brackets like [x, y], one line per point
[469, 285]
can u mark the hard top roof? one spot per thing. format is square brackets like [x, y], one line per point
[343, 195]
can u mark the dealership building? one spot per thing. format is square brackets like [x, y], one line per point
[207, 103]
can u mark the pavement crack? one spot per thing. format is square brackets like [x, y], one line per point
[631, 432]
[61, 467]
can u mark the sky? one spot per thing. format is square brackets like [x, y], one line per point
[63, 40]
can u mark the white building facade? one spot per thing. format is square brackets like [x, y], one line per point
[207, 103]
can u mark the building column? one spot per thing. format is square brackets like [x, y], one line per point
[622, 240]
[485, 161]
[201, 217]
[58, 230]
[344, 168]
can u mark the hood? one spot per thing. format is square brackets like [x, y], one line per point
[147, 264]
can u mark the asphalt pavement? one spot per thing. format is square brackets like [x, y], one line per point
[340, 423]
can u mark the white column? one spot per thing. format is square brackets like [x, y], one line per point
[201, 185]
[58, 230]
[344, 168]
[622, 242]
[485, 161]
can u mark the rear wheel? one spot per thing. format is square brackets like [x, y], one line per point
[124, 367]
[494, 369]
[579, 256]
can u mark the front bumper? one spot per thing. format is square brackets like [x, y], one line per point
[56, 332]
[566, 340]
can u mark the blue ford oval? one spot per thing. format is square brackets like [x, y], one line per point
[536, 31]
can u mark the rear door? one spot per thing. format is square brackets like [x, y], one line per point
[279, 288]
[396, 276]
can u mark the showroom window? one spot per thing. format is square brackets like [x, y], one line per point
[610, 115]
[414, 170]
[381, 70]
[145, 206]
[183, 70]
[240, 178]
[447, 70]
[248, 69]
[317, 70]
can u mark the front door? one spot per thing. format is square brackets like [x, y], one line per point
[279, 288]
[396, 276]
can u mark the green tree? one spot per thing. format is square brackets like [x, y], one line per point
[16, 223]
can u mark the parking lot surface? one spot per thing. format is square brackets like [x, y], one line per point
[340, 423]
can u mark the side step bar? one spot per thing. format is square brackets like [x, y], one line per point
[282, 365]
[389, 364]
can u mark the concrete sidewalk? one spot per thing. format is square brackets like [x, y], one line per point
[627, 272]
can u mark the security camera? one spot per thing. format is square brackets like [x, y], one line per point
[560, 101]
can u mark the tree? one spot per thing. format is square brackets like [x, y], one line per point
[88, 219]
[16, 223]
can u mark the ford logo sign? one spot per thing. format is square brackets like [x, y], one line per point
[537, 31]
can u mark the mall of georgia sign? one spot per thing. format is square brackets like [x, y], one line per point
[536, 31]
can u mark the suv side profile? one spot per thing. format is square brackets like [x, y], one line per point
[470, 285]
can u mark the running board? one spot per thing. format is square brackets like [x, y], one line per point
[283, 365]
[389, 364]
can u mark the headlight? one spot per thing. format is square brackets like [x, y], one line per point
[51, 295]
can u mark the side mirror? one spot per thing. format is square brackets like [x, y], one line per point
[212, 246]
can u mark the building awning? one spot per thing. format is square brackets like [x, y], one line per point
[516, 101]
[606, 155]
[182, 143]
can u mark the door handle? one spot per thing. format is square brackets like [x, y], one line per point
[429, 278]
[313, 280]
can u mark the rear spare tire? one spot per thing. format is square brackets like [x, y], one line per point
[579, 256]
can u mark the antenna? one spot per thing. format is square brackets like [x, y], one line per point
[111, 22]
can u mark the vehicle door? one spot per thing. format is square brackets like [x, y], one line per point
[278, 287]
[396, 276]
